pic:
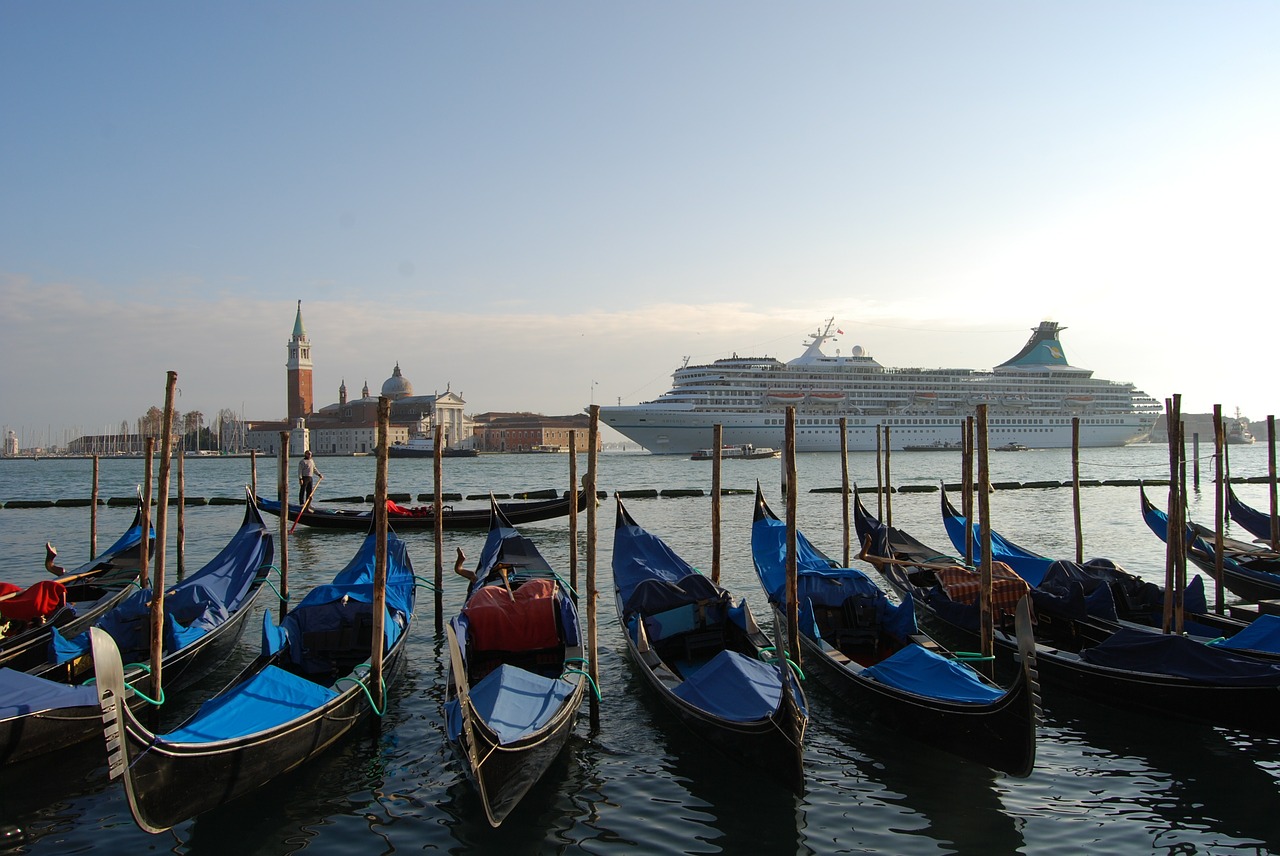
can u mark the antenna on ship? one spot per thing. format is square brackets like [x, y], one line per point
[685, 362]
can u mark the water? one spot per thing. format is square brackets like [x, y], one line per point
[1104, 778]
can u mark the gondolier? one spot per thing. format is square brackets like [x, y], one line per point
[307, 474]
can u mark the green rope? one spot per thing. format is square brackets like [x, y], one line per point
[595, 689]
[146, 667]
[772, 650]
[424, 582]
[560, 580]
[971, 656]
[367, 694]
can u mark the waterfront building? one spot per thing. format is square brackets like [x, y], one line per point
[529, 432]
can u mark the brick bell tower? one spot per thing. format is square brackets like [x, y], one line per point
[299, 366]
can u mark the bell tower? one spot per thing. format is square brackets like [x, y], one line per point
[300, 399]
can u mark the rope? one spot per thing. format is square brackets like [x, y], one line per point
[368, 695]
[772, 651]
[423, 582]
[970, 657]
[560, 580]
[146, 667]
[595, 689]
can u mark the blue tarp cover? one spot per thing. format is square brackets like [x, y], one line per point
[515, 703]
[22, 694]
[193, 606]
[270, 698]
[1257, 523]
[734, 687]
[1263, 634]
[1167, 654]
[924, 673]
[639, 556]
[1028, 565]
[819, 582]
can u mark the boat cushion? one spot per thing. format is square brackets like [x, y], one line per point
[22, 694]
[658, 595]
[270, 698]
[525, 622]
[920, 671]
[963, 585]
[734, 687]
[515, 702]
[1168, 654]
[38, 601]
[1262, 634]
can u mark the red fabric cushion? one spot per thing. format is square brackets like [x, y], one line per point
[41, 599]
[402, 511]
[527, 623]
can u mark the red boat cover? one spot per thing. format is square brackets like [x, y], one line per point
[527, 623]
[39, 600]
[406, 511]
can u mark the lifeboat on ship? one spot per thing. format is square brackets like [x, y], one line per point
[780, 396]
[827, 397]
[1078, 400]
[925, 399]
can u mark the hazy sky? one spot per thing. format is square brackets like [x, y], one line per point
[545, 204]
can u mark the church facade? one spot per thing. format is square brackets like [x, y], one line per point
[349, 426]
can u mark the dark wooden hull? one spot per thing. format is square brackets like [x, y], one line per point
[1253, 708]
[29, 649]
[774, 744]
[1001, 735]
[468, 518]
[32, 735]
[173, 782]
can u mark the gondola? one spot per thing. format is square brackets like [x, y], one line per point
[46, 707]
[871, 653]
[517, 671]
[423, 517]
[707, 659]
[1098, 594]
[309, 686]
[100, 584]
[1256, 523]
[1166, 674]
[1249, 572]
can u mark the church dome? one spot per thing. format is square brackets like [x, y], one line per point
[397, 386]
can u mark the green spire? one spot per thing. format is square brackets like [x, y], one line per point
[299, 332]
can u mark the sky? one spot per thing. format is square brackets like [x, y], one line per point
[547, 205]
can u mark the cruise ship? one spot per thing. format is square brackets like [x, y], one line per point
[1031, 399]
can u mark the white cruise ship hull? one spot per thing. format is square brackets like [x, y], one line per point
[671, 431]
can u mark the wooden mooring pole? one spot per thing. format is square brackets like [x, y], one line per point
[573, 509]
[593, 594]
[1075, 487]
[792, 597]
[717, 441]
[1271, 480]
[437, 499]
[376, 641]
[162, 519]
[144, 556]
[1219, 507]
[844, 484]
[282, 492]
[180, 546]
[987, 623]
[93, 513]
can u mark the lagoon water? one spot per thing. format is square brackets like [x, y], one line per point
[1106, 779]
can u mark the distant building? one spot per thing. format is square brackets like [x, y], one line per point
[528, 432]
[10, 445]
[350, 426]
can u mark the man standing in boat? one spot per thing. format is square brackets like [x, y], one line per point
[307, 475]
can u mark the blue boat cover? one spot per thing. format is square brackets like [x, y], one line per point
[1262, 634]
[22, 694]
[640, 556]
[1256, 523]
[324, 608]
[1158, 522]
[270, 698]
[819, 581]
[734, 687]
[1028, 565]
[516, 703]
[920, 671]
[1168, 654]
[131, 538]
[193, 606]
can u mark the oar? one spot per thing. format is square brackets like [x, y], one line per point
[305, 505]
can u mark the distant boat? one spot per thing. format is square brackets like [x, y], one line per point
[1238, 432]
[743, 452]
[422, 446]
[936, 446]
[1010, 447]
